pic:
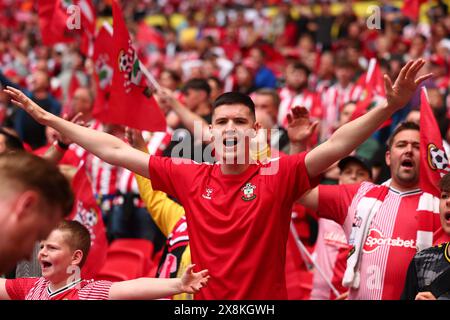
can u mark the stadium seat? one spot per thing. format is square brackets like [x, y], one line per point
[127, 259]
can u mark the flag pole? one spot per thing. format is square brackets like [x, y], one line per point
[149, 76]
[303, 251]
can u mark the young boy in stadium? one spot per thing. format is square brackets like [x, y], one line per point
[428, 276]
[63, 254]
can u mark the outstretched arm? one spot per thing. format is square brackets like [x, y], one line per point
[103, 145]
[352, 134]
[155, 288]
[3, 293]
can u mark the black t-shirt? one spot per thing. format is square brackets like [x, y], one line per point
[426, 266]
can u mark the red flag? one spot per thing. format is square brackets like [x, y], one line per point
[149, 35]
[131, 100]
[103, 62]
[87, 212]
[411, 8]
[73, 86]
[433, 165]
[373, 84]
[52, 22]
[67, 21]
[434, 161]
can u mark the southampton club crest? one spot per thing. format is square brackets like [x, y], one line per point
[129, 64]
[437, 159]
[249, 192]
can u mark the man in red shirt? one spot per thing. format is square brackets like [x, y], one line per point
[392, 235]
[238, 212]
[61, 257]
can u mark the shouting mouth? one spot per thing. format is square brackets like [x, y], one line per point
[407, 163]
[230, 142]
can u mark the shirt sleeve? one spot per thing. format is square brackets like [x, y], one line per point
[164, 211]
[334, 201]
[411, 288]
[172, 175]
[295, 180]
[18, 289]
[96, 290]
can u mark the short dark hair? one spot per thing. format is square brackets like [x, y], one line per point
[444, 183]
[405, 125]
[35, 173]
[12, 142]
[173, 74]
[235, 97]
[79, 237]
[198, 84]
[272, 93]
[216, 80]
[297, 65]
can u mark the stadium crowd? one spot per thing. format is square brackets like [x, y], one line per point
[345, 138]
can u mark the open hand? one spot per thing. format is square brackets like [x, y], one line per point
[192, 282]
[135, 138]
[25, 103]
[399, 93]
[300, 128]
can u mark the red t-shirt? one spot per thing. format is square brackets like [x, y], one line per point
[391, 242]
[238, 224]
[38, 289]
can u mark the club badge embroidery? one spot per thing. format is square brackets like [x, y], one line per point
[248, 191]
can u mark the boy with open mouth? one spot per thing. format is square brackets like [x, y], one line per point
[61, 257]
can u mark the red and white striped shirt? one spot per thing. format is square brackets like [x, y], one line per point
[39, 289]
[290, 99]
[391, 242]
[332, 100]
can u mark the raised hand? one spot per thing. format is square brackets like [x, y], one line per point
[399, 93]
[25, 103]
[300, 128]
[165, 98]
[192, 282]
[135, 138]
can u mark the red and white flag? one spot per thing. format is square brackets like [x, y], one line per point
[131, 100]
[104, 68]
[434, 161]
[373, 84]
[433, 166]
[87, 212]
[67, 21]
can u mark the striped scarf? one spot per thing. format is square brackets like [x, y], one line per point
[366, 210]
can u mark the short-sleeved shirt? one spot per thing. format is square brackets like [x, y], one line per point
[238, 224]
[391, 241]
[39, 289]
[424, 269]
